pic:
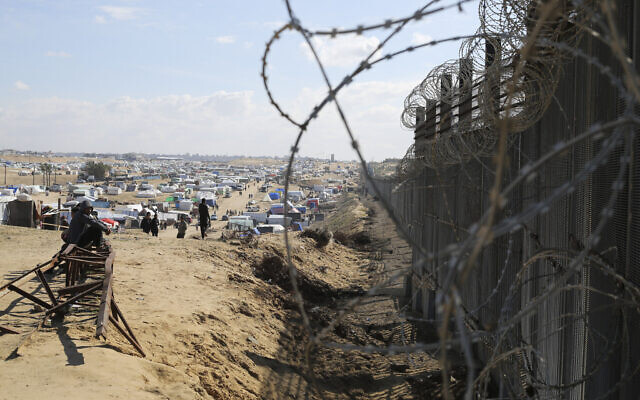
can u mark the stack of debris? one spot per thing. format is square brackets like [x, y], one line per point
[88, 282]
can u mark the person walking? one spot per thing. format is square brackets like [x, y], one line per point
[155, 225]
[203, 210]
[182, 228]
[145, 224]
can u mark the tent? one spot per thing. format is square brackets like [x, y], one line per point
[22, 213]
[114, 190]
[112, 224]
[274, 196]
[266, 198]
[4, 211]
[277, 209]
[270, 228]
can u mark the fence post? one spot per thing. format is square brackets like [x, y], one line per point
[58, 218]
[445, 108]
[493, 51]
[465, 82]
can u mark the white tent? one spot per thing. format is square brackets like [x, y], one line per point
[267, 198]
[168, 189]
[185, 205]
[146, 194]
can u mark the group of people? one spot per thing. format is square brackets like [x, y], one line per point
[152, 225]
[85, 228]
[149, 224]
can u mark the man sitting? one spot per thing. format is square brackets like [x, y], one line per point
[85, 229]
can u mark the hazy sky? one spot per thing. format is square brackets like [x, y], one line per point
[184, 76]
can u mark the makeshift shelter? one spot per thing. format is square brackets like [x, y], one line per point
[113, 224]
[168, 189]
[71, 203]
[4, 211]
[22, 213]
[279, 220]
[274, 196]
[209, 197]
[277, 209]
[146, 194]
[270, 228]
[313, 203]
[185, 205]
[266, 198]
[240, 223]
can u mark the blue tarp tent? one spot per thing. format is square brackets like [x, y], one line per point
[274, 196]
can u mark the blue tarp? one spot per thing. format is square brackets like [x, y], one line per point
[274, 196]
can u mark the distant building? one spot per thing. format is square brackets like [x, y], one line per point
[333, 157]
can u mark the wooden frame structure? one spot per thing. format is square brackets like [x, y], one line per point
[79, 262]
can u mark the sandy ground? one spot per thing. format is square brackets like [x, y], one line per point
[214, 324]
[196, 307]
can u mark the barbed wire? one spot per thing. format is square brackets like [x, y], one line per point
[503, 84]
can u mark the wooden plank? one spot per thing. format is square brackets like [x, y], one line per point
[29, 296]
[67, 277]
[83, 261]
[95, 253]
[45, 284]
[77, 288]
[80, 303]
[8, 330]
[5, 288]
[118, 313]
[73, 299]
[105, 301]
[126, 336]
